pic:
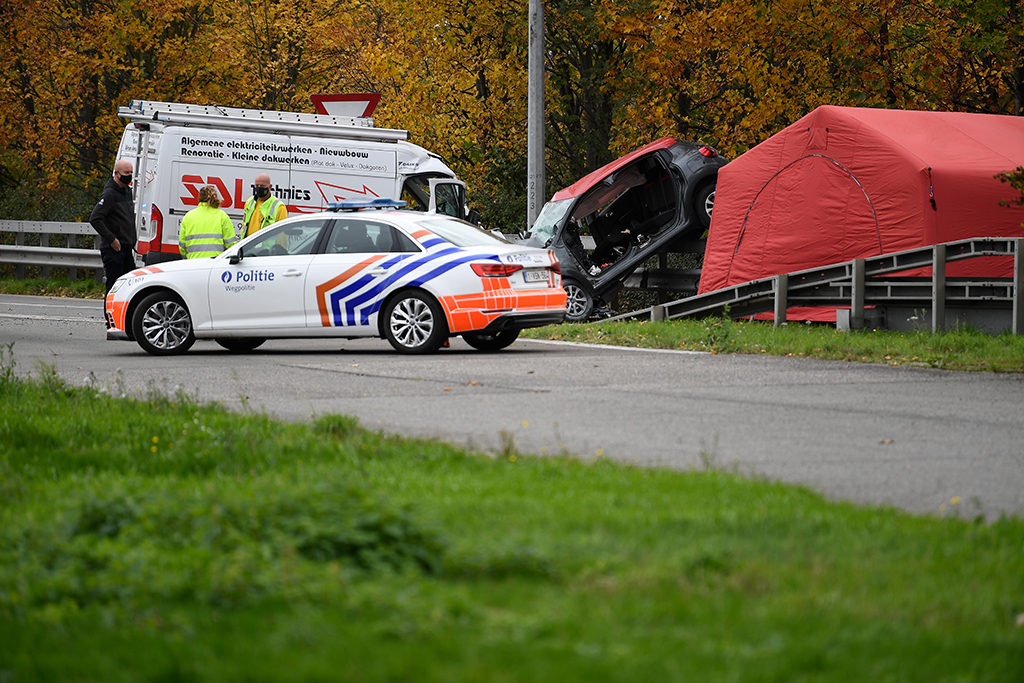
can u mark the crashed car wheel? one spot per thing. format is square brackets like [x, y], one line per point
[415, 323]
[704, 202]
[240, 344]
[579, 304]
[491, 342]
[162, 325]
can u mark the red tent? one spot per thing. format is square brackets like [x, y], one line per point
[844, 183]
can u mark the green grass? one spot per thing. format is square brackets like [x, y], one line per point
[963, 349]
[157, 539]
[59, 286]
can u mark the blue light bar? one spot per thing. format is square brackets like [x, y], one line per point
[359, 204]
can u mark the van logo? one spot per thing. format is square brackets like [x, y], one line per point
[226, 277]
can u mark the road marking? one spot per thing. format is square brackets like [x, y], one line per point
[26, 316]
[99, 305]
[610, 346]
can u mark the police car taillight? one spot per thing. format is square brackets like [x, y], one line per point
[495, 269]
[557, 267]
[708, 151]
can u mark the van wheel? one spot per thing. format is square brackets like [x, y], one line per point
[240, 344]
[162, 325]
[579, 304]
[414, 322]
[491, 342]
[703, 203]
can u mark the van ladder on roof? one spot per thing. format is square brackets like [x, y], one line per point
[147, 107]
[214, 116]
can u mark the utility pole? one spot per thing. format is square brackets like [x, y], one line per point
[535, 116]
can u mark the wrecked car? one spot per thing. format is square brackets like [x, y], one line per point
[608, 223]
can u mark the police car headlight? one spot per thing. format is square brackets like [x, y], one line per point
[117, 285]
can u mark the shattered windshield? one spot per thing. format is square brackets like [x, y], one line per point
[550, 218]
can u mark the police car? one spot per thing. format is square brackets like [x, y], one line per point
[361, 269]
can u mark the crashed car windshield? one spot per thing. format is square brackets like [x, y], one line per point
[549, 219]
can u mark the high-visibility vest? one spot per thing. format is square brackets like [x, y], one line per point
[205, 232]
[269, 208]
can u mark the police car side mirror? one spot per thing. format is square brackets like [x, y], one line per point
[236, 257]
[473, 217]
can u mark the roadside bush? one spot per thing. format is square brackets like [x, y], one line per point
[112, 513]
[223, 541]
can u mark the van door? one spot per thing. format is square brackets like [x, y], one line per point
[448, 197]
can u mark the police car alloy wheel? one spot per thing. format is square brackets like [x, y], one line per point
[162, 325]
[415, 323]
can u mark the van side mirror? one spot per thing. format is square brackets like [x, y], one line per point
[473, 217]
[236, 257]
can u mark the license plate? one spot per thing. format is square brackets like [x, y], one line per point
[536, 275]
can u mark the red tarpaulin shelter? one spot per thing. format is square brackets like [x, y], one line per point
[844, 183]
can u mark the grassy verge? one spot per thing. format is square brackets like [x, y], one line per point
[62, 287]
[964, 349]
[160, 539]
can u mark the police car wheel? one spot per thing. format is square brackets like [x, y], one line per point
[162, 325]
[491, 342]
[240, 344]
[414, 322]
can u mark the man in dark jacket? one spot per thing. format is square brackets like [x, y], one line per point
[113, 218]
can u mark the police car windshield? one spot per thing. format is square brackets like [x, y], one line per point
[461, 233]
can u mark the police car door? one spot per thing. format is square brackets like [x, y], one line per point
[361, 263]
[264, 289]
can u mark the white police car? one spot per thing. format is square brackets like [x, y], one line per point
[413, 278]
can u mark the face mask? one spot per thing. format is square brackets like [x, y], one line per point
[126, 179]
[262, 192]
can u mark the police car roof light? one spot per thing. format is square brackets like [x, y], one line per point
[356, 205]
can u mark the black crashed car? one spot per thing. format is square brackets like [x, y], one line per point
[608, 223]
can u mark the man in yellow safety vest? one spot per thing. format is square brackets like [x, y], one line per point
[206, 230]
[262, 208]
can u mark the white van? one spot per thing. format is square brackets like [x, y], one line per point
[313, 160]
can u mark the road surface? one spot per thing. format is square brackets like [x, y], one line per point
[914, 438]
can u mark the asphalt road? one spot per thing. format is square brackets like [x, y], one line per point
[910, 437]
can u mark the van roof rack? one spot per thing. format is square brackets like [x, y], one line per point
[145, 113]
[360, 204]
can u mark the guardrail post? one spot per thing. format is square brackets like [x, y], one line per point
[72, 243]
[1017, 324]
[44, 241]
[657, 313]
[938, 288]
[781, 298]
[19, 270]
[857, 296]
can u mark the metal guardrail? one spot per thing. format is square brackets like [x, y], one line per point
[867, 282]
[45, 256]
